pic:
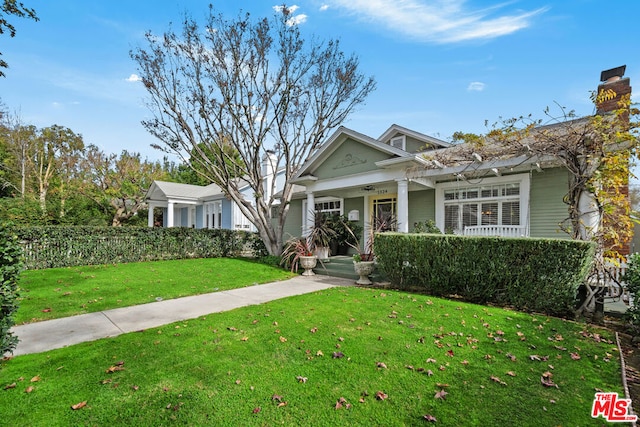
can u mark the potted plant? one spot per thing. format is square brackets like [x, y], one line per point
[346, 231]
[364, 259]
[298, 252]
[320, 235]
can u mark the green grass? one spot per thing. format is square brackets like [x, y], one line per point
[225, 368]
[61, 292]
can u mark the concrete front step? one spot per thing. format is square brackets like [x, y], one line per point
[342, 266]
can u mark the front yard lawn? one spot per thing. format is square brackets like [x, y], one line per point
[344, 356]
[61, 292]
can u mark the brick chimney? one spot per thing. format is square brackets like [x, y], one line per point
[614, 80]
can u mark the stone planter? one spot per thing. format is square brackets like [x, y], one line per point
[322, 252]
[363, 269]
[308, 263]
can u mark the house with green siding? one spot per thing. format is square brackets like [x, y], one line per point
[405, 175]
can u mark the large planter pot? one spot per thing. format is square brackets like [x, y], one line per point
[308, 263]
[363, 269]
[322, 252]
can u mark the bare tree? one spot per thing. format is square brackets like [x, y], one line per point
[239, 88]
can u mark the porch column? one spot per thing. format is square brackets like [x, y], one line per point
[170, 214]
[403, 205]
[150, 216]
[311, 205]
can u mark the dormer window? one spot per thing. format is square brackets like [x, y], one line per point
[399, 142]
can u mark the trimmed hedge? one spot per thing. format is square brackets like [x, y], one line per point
[541, 275]
[61, 246]
[10, 267]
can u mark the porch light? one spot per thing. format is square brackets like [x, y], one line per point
[369, 188]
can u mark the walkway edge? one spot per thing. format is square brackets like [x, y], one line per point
[58, 333]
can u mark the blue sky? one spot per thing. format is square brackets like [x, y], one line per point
[441, 66]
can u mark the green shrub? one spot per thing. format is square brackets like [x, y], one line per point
[632, 280]
[10, 266]
[64, 246]
[530, 274]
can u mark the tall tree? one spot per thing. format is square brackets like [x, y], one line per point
[256, 86]
[119, 183]
[15, 8]
[55, 145]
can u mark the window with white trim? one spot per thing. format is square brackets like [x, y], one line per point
[492, 204]
[328, 205]
[399, 142]
[213, 215]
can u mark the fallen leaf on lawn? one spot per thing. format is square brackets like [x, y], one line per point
[244, 339]
[107, 381]
[380, 395]
[465, 362]
[46, 310]
[35, 379]
[276, 397]
[430, 360]
[535, 357]
[430, 418]
[429, 372]
[29, 389]
[442, 367]
[511, 374]
[511, 356]
[79, 405]
[575, 356]
[114, 368]
[281, 404]
[283, 339]
[238, 382]
[9, 386]
[337, 354]
[313, 330]
[232, 329]
[441, 385]
[450, 353]
[340, 403]
[499, 332]
[301, 379]
[440, 395]
[498, 380]
[319, 353]
[546, 380]
[256, 410]
[381, 365]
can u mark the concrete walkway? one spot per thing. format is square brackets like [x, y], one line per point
[51, 334]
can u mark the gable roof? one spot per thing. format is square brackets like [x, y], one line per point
[397, 129]
[338, 137]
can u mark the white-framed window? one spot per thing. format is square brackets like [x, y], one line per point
[213, 214]
[399, 142]
[497, 205]
[328, 205]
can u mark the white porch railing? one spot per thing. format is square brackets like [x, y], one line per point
[496, 230]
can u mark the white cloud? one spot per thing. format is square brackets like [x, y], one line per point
[476, 87]
[441, 21]
[324, 7]
[295, 19]
[134, 78]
